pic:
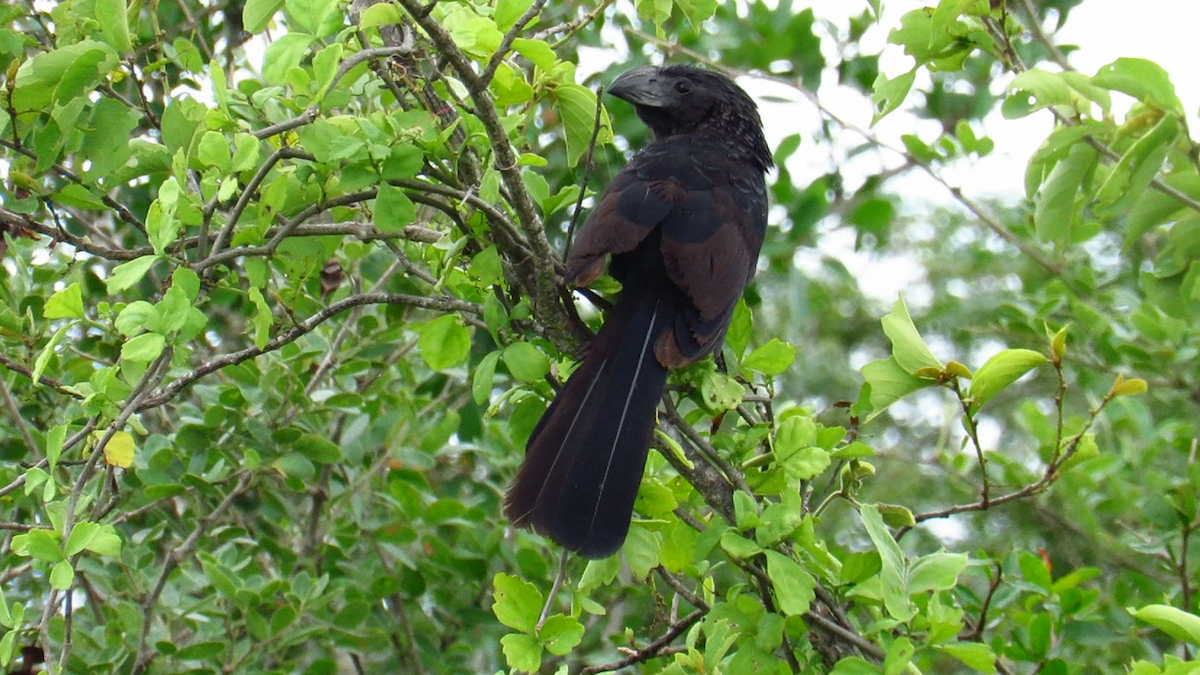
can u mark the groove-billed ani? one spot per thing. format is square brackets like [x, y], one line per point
[683, 223]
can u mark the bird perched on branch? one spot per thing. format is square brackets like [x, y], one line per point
[683, 223]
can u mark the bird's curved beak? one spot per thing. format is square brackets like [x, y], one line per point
[640, 86]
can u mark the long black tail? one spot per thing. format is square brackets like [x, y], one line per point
[585, 458]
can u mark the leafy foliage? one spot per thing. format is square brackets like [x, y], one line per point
[280, 312]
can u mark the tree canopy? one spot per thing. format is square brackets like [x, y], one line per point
[282, 302]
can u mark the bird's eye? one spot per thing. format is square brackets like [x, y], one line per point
[683, 86]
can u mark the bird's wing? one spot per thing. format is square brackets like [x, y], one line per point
[625, 215]
[712, 217]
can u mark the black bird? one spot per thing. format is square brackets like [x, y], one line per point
[683, 223]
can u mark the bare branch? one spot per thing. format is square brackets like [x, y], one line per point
[651, 650]
[304, 327]
[173, 558]
[49, 382]
[119, 208]
[310, 113]
[489, 71]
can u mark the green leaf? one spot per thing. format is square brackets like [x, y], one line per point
[577, 109]
[81, 536]
[855, 665]
[62, 575]
[889, 382]
[1046, 88]
[804, 463]
[888, 94]
[137, 317]
[560, 634]
[43, 357]
[909, 350]
[405, 160]
[526, 362]
[1128, 387]
[936, 572]
[6, 618]
[855, 450]
[111, 15]
[105, 542]
[213, 150]
[295, 465]
[487, 266]
[720, 391]
[975, 654]
[143, 348]
[257, 14]
[794, 587]
[738, 546]
[38, 544]
[745, 511]
[54, 444]
[444, 342]
[200, 650]
[1153, 208]
[245, 154]
[162, 226]
[1141, 79]
[381, 14]
[517, 603]
[481, 381]
[741, 326]
[542, 56]
[508, 11]
[317, 448]
[1054, 205]
[1140, 163]
[895, 515]
[1000, 371]
[282, 54]
[314, 16]
[107, 145]
[65, 304]
[794, 432]
[1034, 570]
[63, 74]
[129, 273]
[771, 359]
[522, 652]
[1177, 623]
[393, 209]
[892, 573]
[1039, 636]
[899, 653]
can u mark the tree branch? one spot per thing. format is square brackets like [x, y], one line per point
[651, 650]
[304, 327]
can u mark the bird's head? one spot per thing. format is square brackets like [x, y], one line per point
[683, 99]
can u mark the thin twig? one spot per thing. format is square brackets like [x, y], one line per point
[733, 475]
[247, 192]
[43, 380]
[119, 208]
[651, 650]
[173, 558]
[489, 71]
[30, 445]
[553, 594]
[310, 113]
[291, 335]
